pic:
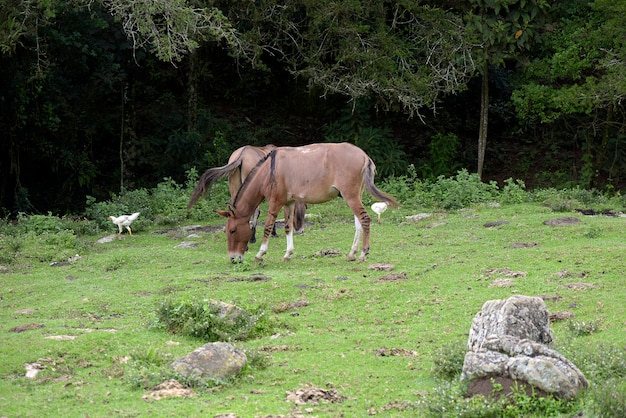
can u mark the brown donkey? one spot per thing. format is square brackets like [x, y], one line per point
[241, 161]
[314, 173]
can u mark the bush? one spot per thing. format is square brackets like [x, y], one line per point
[205, 319]
[462, 190]
[448, 360]
[610, 398]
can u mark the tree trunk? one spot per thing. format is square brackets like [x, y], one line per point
[122, 129]
[192, 92]
[484, 120]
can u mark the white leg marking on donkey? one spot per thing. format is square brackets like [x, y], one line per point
[262, 251]
[357, 236]
[290, 247]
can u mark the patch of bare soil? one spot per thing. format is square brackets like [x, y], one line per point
[399, 406]
[496, 387]
[381, 267]
[502, 283]
[26, 311]
[507, 272]
[168, 389]
[580, 286]
[393, 277]
[327, 253]
[310, 394]
[190, 229]
[593, 212]
[552, 298]
[495, 223]
[560, 316]
[253, 278]
[288, 306]
[524, 245]
[395, 352]
[278, 348]
[26, 327]
[507, 276]
[568, 220]
[564, 274]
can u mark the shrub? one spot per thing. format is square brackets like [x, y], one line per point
[580, 328]
[514, 191]
[443, 150]
[204, 319]
[462, 190]
[448, 360]
[610, 398]
[598, 362]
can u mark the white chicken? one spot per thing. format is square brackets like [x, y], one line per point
[379, 208]
[124, 221]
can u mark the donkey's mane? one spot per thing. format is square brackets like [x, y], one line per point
[252, 174]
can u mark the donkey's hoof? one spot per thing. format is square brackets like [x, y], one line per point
[258, 259]
[351, 257]
[286, 258]
[362, 259]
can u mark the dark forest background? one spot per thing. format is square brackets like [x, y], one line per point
[97, 97]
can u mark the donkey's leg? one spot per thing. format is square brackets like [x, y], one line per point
[355, 242]
[253, 222]
[272, 213]
[362, 221]
[289, 215]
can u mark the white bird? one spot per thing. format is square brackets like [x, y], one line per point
[124, 221]
[379, 208]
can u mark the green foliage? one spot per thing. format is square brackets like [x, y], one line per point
[443, 151]
[204, 319]
[513, 191]
[521, 404]
[449, 400]
[575, 84]
[599, 362]
[10, 246]
[594, 232]
[355, 126]
[604, 365]
[50, 246]
[403, 187]
[448, 360]
[461, 191]
[148, 367]
[39, 224]
[609, 397]
[506, 28]
[356, 50]
[143, 23]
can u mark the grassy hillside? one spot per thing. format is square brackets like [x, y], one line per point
[377, 338]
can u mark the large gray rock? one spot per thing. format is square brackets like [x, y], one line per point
[518, 316]
[217, 361]
[508, 340]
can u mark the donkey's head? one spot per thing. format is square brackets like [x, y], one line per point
[238, 233]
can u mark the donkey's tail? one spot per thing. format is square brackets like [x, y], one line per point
[208, 178]
[369, 171]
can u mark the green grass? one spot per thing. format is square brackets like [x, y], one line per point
[108, 301]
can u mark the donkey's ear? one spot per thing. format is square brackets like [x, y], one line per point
[224, 213]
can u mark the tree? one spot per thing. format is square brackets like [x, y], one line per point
[404, 54]
[170, 28]
[578, 84]
[505, 29]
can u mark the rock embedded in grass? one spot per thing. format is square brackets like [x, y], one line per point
[508, 343]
